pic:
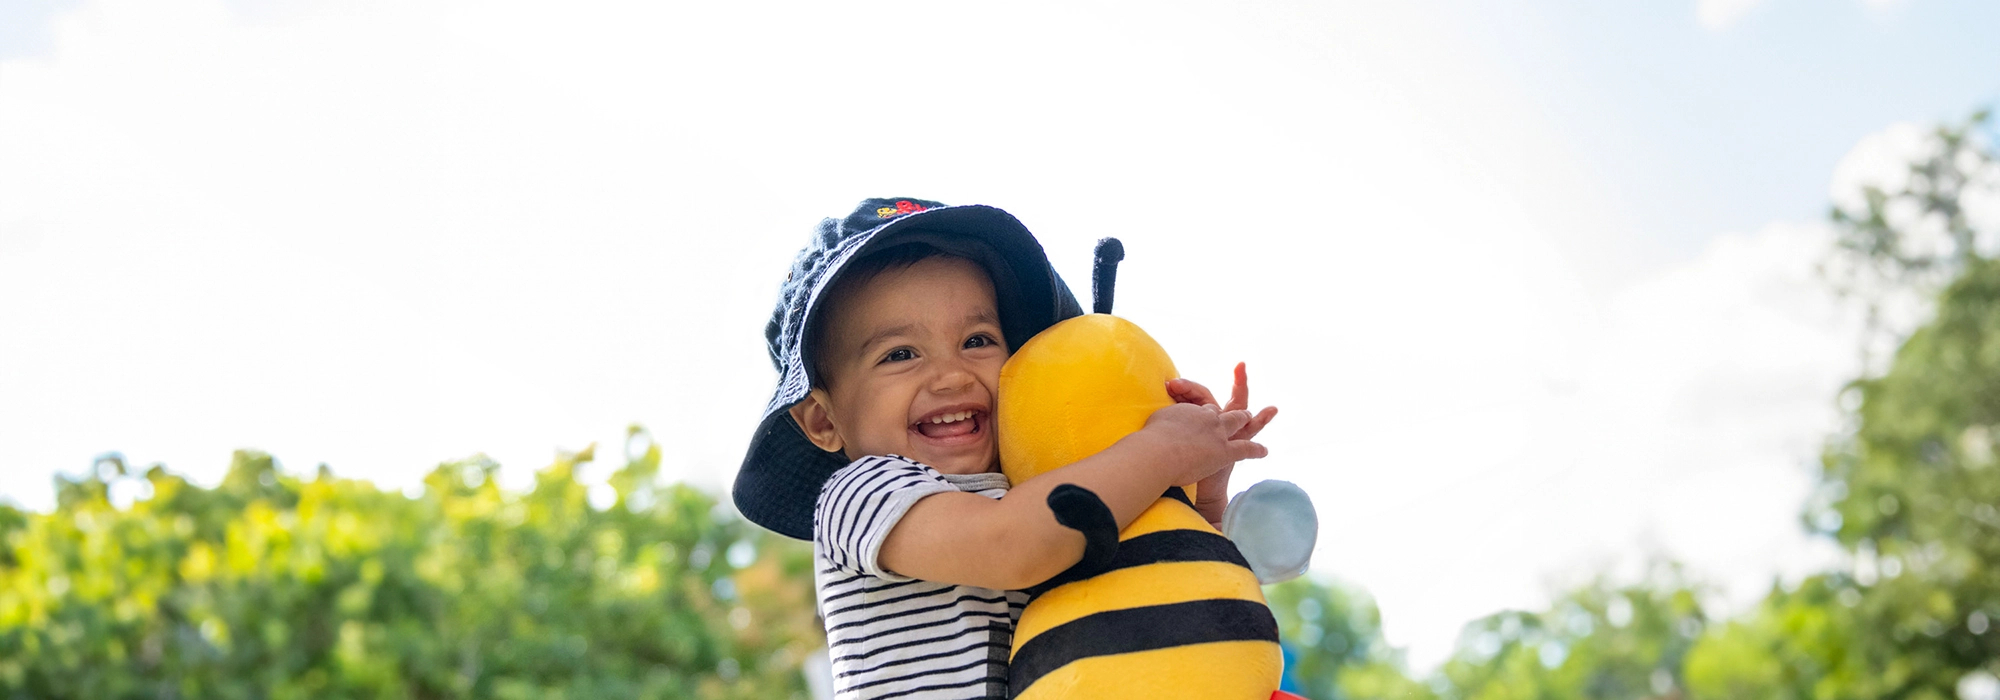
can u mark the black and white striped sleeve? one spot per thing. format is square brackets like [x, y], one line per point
[861, 503]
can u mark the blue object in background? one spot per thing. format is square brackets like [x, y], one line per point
[1289, 682]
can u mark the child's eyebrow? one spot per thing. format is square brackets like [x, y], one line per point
[884, 334]
[909, 328]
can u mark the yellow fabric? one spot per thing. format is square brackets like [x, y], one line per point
[1070, 392]
[1142, 585]
[1212, 671]
[1152, 584]
[1076, 388]
[1166, 514]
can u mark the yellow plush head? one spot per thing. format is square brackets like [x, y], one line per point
[1165, 610]
[1075, 389]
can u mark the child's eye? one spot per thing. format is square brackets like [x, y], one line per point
[979, 341]
[900, 355]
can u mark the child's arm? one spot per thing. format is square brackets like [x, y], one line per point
[1015, 542]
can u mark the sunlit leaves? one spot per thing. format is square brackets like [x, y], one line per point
[1334, 635]
[1600, 640]
[271, 585]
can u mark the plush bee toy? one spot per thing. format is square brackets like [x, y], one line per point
[1168, 608]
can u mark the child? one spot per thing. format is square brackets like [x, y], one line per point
[880, 445]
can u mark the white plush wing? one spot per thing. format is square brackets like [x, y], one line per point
[1275, 525]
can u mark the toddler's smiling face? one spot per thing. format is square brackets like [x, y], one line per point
[908, 365]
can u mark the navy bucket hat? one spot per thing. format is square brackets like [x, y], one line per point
[782, 474]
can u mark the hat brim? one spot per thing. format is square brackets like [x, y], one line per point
[780, 480]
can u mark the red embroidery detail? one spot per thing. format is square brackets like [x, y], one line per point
[902, 207]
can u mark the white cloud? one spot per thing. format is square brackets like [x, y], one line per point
[1684, 420]
[1716, 15]
[1881, 160]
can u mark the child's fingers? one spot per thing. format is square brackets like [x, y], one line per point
[1244, 449]
[1233, 421]
[1189, 391]
[1256, 424]
[1239, 392]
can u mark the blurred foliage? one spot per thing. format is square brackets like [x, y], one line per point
[1797, 644]
[1911, 489]
[274, 586]
[1335, 634]
[1911, 493]
[1913, 231]
[1600, 640]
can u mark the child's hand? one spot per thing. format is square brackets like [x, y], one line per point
[1190, 391]
[1212, 492]
[1199, 438]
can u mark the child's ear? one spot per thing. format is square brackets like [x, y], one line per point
[814, 417]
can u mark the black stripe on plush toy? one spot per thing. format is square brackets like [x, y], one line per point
[1154, 548]
[1140, 629]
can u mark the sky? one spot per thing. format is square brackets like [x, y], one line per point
[1533, 285]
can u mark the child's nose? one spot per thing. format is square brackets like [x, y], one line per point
[953, 377]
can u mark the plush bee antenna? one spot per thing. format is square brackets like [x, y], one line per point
[1104, 273]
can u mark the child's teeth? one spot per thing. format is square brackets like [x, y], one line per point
[952, 417]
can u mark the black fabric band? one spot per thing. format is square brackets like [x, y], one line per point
[1151, 548]
[1079, 509]
[1140, 629]
[1178, 494]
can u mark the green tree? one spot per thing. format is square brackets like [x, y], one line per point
[1335, 634]
[1910, 488]
[1600, 640]
[270, 585]
[1912, 235]
[1799, 644]
[1912, 494]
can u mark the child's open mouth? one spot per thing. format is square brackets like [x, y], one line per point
[956, 424]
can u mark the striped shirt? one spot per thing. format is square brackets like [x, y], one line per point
[891, 636]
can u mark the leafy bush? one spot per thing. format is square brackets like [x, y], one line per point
[271, 585]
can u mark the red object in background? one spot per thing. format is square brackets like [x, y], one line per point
[1282, 695]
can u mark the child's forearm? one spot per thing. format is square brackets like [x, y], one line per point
[1211, 496]
[1015, 542]
[1128, 477]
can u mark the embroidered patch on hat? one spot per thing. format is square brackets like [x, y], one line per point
[902, 207]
